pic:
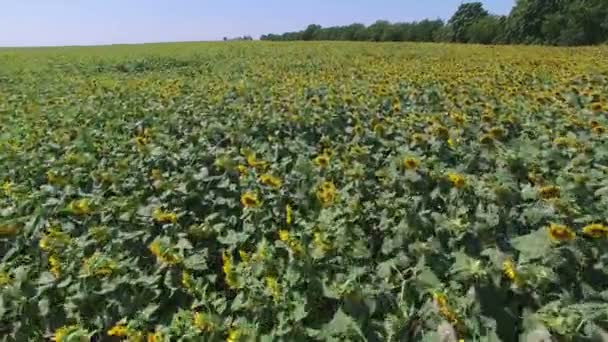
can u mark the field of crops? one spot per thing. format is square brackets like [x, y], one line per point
[303, 192]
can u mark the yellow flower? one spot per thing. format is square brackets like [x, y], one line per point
[7, 188]
[509, 269]
[288, 214]
[442, 132]
[80, 207]
[242, 169]
[98, 265]
[244, 256]
[273, 286]
[54, 178]
[457, 180]
[319, 242]
[155, 337]
[284, 235]
[163, 254]
[497, 132]
[10, 229]
[55, 266]
[444, 309]
[119, 330]
[142, 139]
[61, 333]
[548, 192]
[253, 162]
[234, 335]
[596, 107]
[294, 245]
[326, 193]
[270, 180]
[451, 142]
[560, 233]
[227, 267]
[187, 281]
[564, 142]
[411, 163]
[599, 130]
[54, 239]
[5, 278]
[418, 138]
[250, 200]
[162, 216]
[486, 139]
[596, 230]
[202, 322]
[322, 160]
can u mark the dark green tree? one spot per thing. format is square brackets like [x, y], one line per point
[466, 15]
[310, 32]
[487, 30]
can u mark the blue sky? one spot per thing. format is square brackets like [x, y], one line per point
[91, 22]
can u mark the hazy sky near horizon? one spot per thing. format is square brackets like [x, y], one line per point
[92, 22]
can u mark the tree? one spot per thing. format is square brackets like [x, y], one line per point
[487, 30]
[466, 15]
[526, 20]
[377, 30]
[310, 32]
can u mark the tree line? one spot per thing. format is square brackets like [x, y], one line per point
[551, 22]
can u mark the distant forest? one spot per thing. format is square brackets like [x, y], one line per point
[550, 22]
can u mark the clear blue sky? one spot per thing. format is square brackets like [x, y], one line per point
[90, 22]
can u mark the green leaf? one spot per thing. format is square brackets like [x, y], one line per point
[532, 246]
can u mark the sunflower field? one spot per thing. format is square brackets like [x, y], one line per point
[257, 191]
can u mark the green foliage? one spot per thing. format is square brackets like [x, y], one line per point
[486, 30]
[255, 191]
[554, 22]
[466, 15]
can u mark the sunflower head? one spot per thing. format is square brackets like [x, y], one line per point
[271, 181]
[548, 192]
[596, 231]
[411, 163]
[560, 233]
[457, 180]
[322, 160]
[250, 200]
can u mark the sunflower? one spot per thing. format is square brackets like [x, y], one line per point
[273, 287]
[486, 139]
[326, 193]
[55, 266]
[596, 107]
[61, 333]
[228, 268]
[548, 192]
[411, 163]
[497, 132]
[163, 253]
[162, 216]
[599, 130]
[509, 269]
[271, 181]
[322, 160]
[234, 335]
[80, 207]
[560, 233]
[288, 214]
[203, 322]
[9, 230]
[250, 200]
[596, 230]
[457, 180]
[119, 330]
